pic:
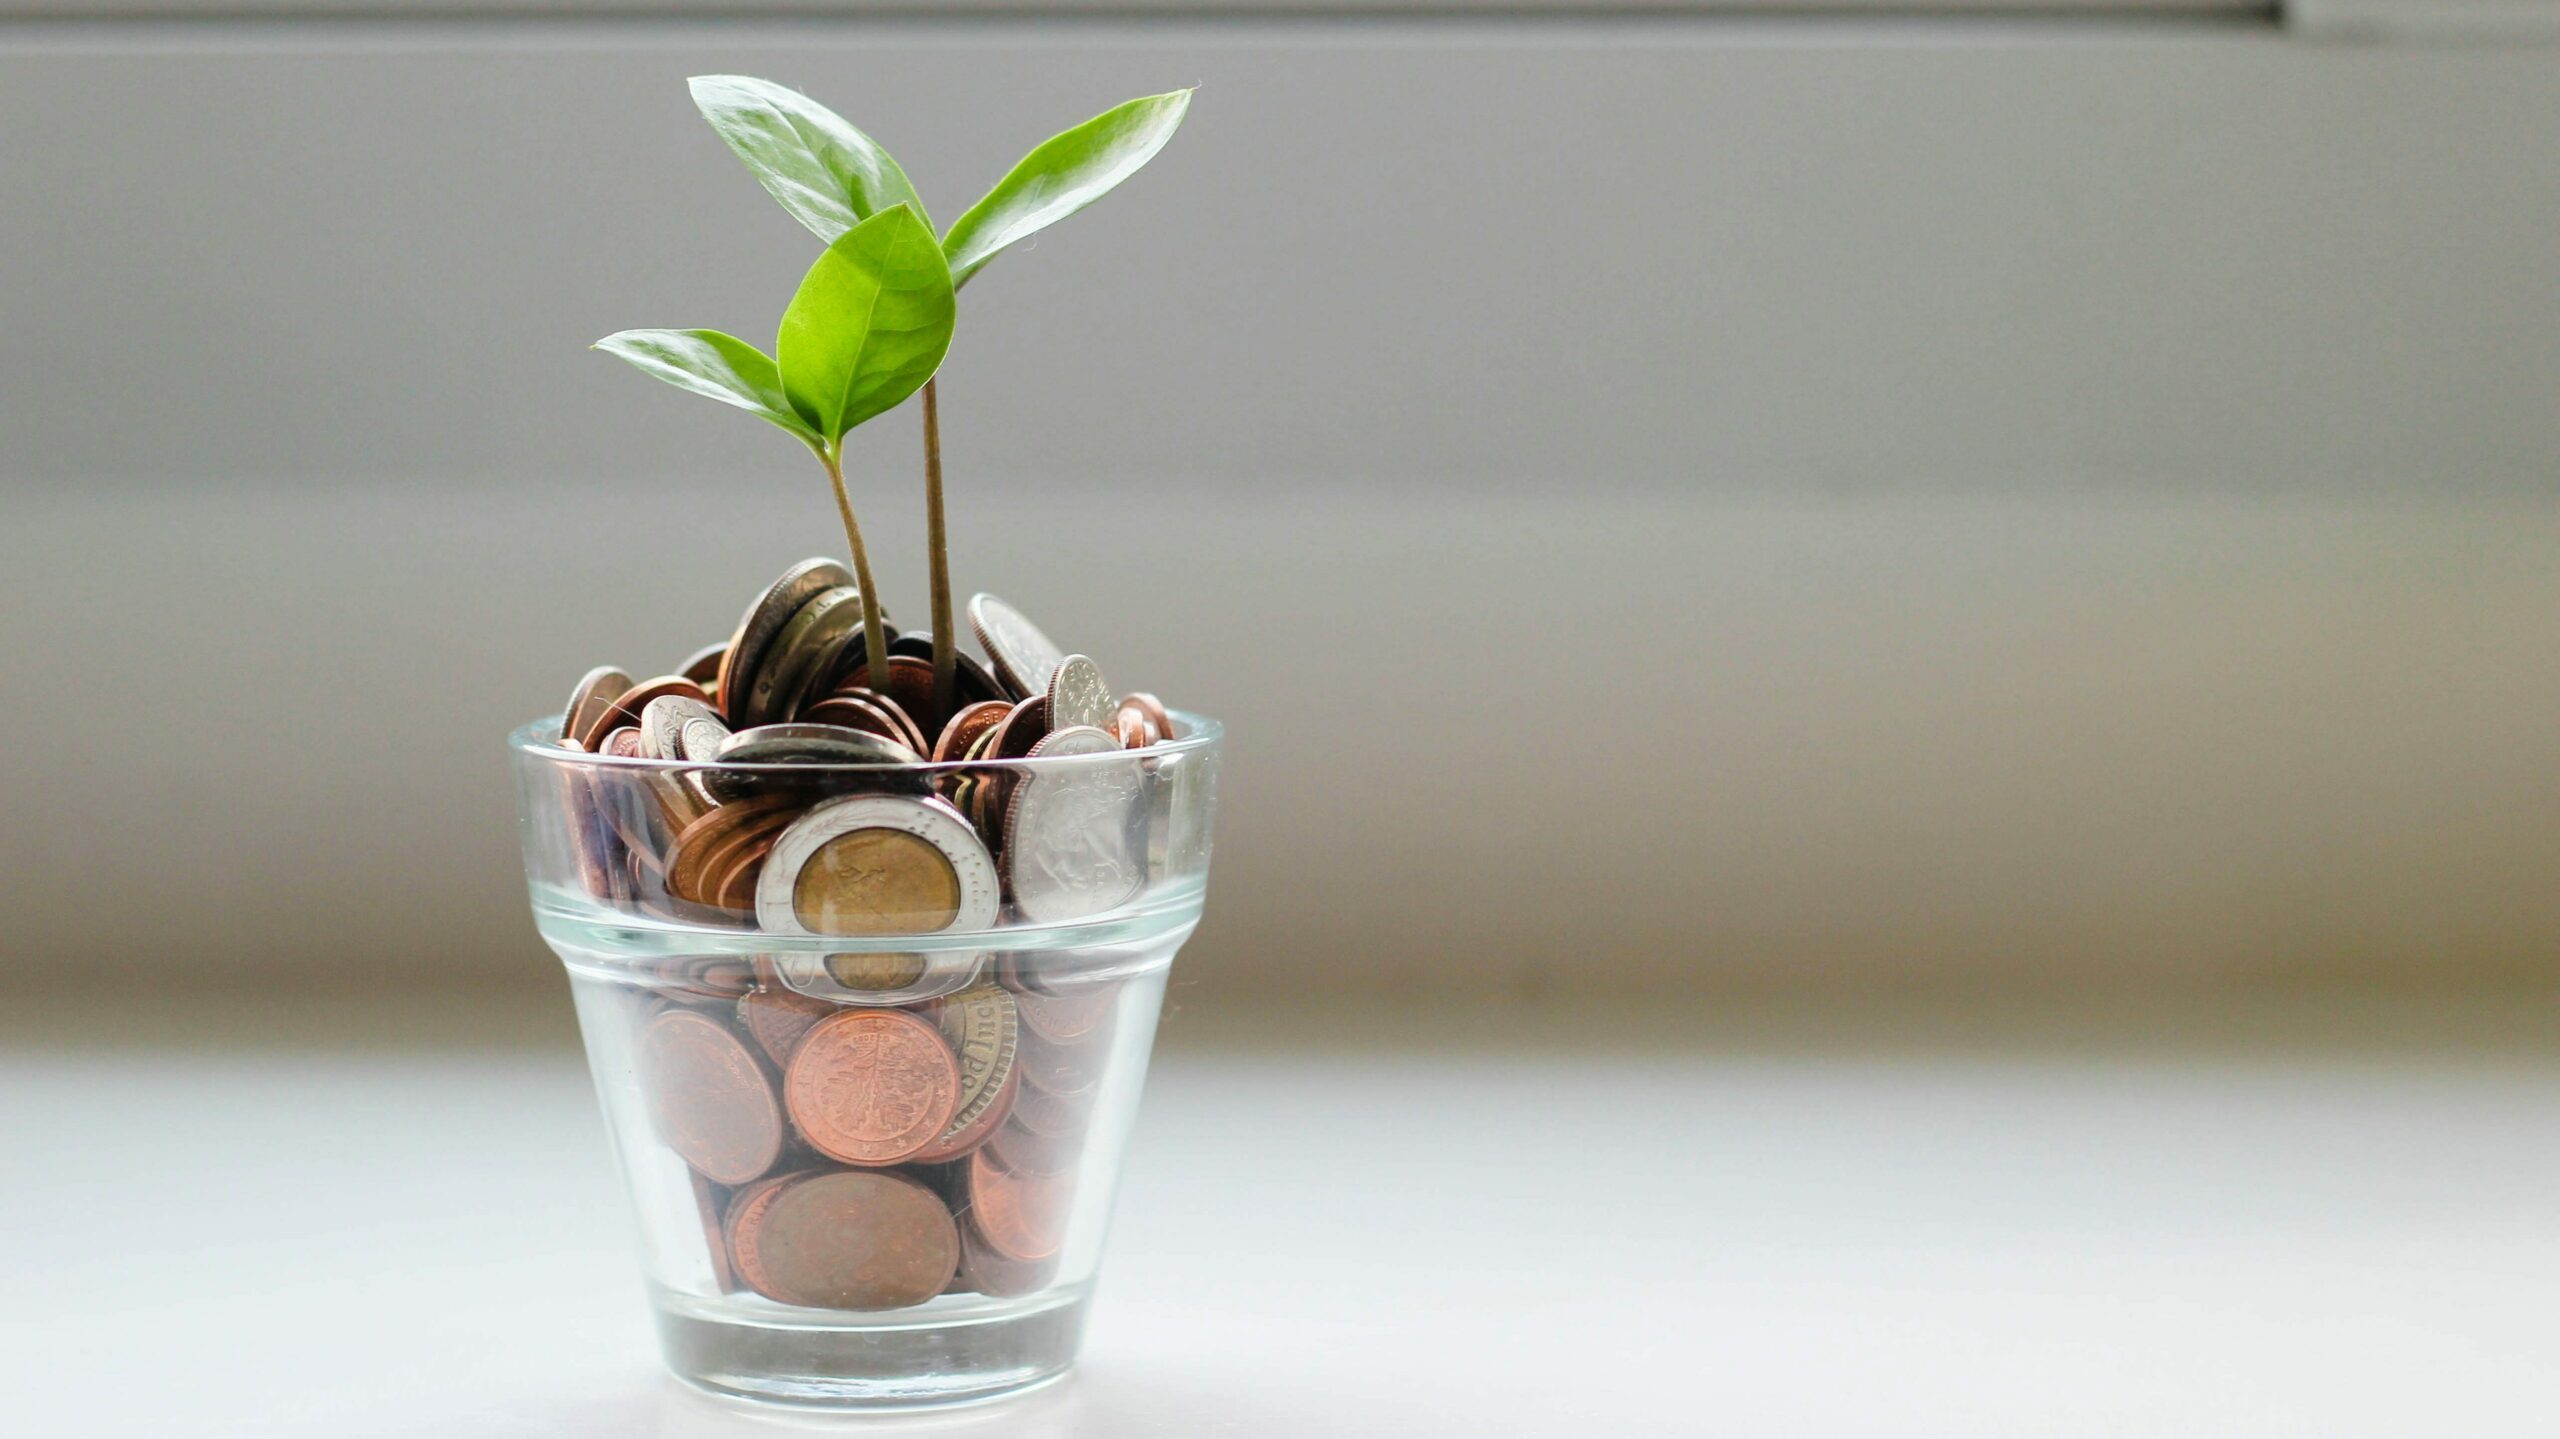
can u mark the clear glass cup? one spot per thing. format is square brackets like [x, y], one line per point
[869, 1041]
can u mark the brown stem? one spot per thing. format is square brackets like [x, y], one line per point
[875, 638]
[946, 654]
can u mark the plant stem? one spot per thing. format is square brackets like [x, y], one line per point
[875, 638]
[946, 654]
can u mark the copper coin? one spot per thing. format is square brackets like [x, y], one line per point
[716, 978]
[696, 872]
[778, 1018]
[989, 1272]
[703, 665]
[1020, 1216]
[967, 726]
[596, 692]
[872, 1086]
[712, 1202]
[971, 682]
[985, 1036]
[714, 1106]
[1027, 725]
[764, 619]
[1070, 1015]
[910, 684]
[1153, 708]
[856, 711]
[1132, 730]
[855, 1241]
[694, 844]
[1020, 1149]
[1041, 1112]
[628, 706]
[742, 1228]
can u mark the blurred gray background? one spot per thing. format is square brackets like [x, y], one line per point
[1668, 501]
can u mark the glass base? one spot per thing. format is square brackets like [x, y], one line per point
[919, 1363]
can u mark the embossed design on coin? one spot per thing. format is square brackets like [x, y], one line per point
[714, 1106]
[1075, 842]
[742, 1229]
[984, 1034]
[918, 868]
[872, 1086]
[1025, 658]
[676, 727]
[855, 1241]
[1078, 697]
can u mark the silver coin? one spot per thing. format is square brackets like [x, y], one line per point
[596, 692]
[1025, 658]
[679, 727]
[936, 823]
[765, 618]
[807, 643]
[1075, 835]
[1078, 697]
[812, 744]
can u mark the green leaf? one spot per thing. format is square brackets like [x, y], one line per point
[1068, 172]
[707, 362]
[869, 325]
[829, 175]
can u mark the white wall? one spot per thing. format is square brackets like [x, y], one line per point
[1697, 503]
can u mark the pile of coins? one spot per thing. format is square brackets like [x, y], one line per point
[867, 1130]
[760, 846]
[872, 1157]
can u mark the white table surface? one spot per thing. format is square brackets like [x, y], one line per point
[1732, 1234]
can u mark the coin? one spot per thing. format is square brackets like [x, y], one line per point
[980, 1025]
[1025, 726]
[971, 683]
[1070, 1017]
[596, 690]
[871, 713]
[674, 727]
[877, 978]
[1021, 1217]
[910, 684]
[878, 865]
[695, 843]
[1066, 1070]
[778, 1018]
[855, 1241]
[1153, 708]
[703, 665]
[765, 618]
[807, 643]
[1074, 844]
[872, 1086]
[627, 706]
[965, 727]
[1132, 730]
[804, 757]
[1077, 696]
[742, 1228]
[1020, 1149]
[991, 1273]
[713, 1103]
[1025, 658]
[711, 1203]
[1041, 1112]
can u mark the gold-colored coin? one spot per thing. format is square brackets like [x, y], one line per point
[876, 881]
[876, 972]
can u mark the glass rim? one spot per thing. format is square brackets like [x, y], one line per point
[540, 740]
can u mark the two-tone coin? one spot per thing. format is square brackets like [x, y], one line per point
[878, 865]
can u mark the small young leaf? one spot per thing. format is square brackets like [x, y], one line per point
[869, 325]
[1066, 173]
[829, 175]
[708, 362]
